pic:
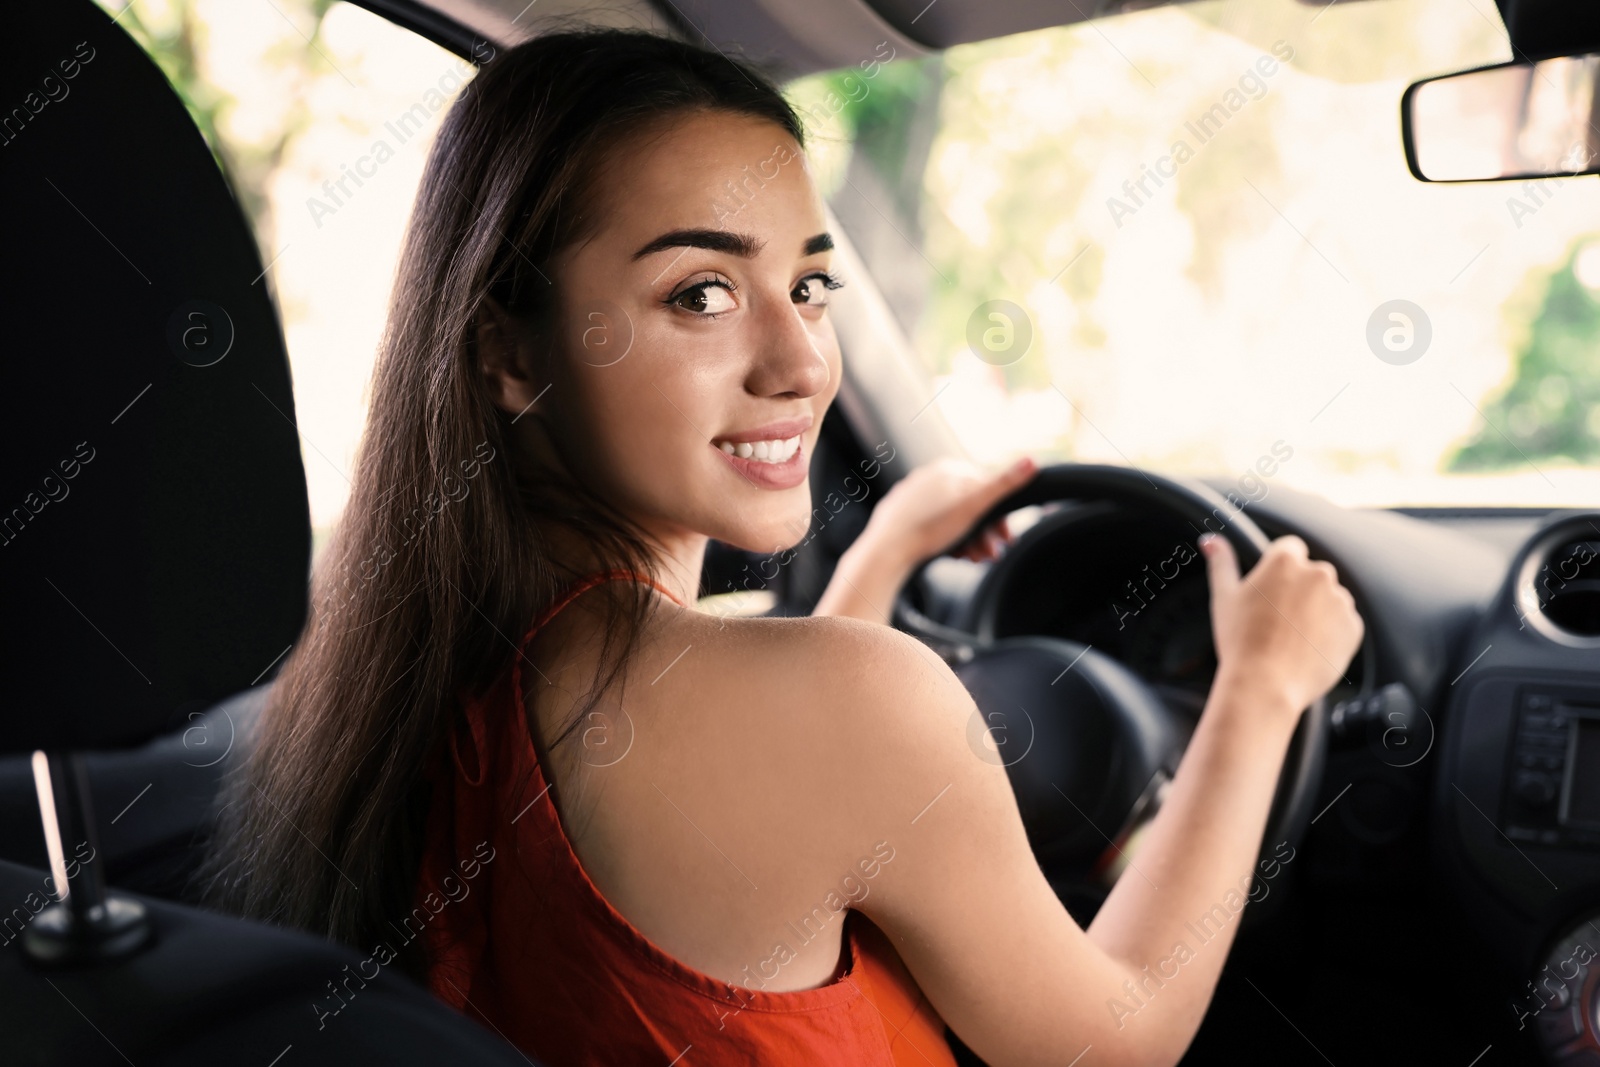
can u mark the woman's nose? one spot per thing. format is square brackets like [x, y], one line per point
[788, 360]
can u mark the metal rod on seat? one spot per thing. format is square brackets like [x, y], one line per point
[86, 924]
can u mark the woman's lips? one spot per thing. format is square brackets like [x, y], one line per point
[772, 431]
[786, 475]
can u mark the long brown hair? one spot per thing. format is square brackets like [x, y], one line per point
[441, 558]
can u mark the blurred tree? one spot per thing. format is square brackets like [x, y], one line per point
[890, 114]
[1002, 200]
[1551, 407]
[174, 34]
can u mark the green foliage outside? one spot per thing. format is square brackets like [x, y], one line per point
[1551, 407]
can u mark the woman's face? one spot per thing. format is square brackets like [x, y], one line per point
[697, 357]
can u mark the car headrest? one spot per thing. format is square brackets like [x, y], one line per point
[154, 530]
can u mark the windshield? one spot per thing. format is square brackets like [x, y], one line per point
[1186, 238]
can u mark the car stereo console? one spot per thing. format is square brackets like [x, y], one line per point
[1552, 784]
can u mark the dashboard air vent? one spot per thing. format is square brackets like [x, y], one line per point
[1558, 588]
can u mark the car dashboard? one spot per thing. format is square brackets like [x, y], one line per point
[1486, 813]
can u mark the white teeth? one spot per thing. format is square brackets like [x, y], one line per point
[779, 451]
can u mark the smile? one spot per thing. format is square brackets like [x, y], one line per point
[768, 456]
[778, 463]
[774, 451]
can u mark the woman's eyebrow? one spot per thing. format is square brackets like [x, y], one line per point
[736, 244]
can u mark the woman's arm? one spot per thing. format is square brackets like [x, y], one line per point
[965, 902]
[920, 517]
[1202, 847]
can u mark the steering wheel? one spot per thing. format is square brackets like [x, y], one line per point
[1088, 744]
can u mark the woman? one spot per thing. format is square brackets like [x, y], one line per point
[511, 756]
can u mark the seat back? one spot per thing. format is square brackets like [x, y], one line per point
[154, 529]
[216, 990]
[154, 554]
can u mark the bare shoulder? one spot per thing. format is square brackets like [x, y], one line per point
[812, 743]
[902, 731]
[780, 769]
[883, 768]
[853, 728]
[854, 662]
[860, 694]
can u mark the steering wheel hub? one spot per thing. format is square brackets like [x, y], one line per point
[1082, 738]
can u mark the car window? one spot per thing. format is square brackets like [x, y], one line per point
[1186, 238]
[321, 114]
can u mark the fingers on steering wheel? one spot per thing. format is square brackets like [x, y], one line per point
[986, 544]
[992, 541]
[1294, 545]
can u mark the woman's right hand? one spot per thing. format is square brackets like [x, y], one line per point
[1287, 629]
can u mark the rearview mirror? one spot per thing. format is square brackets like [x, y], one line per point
[1515, 120]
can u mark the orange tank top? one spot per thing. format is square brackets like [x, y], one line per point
[519, 938]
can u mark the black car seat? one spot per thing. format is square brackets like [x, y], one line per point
[155, 541]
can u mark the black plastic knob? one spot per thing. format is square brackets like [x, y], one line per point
[1534, 790]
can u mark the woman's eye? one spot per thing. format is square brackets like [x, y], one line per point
[706, 298]
[813, 289]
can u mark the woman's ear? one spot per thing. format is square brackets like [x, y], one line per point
[505, 359]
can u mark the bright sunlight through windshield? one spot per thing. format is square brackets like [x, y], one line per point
[1186, 238]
